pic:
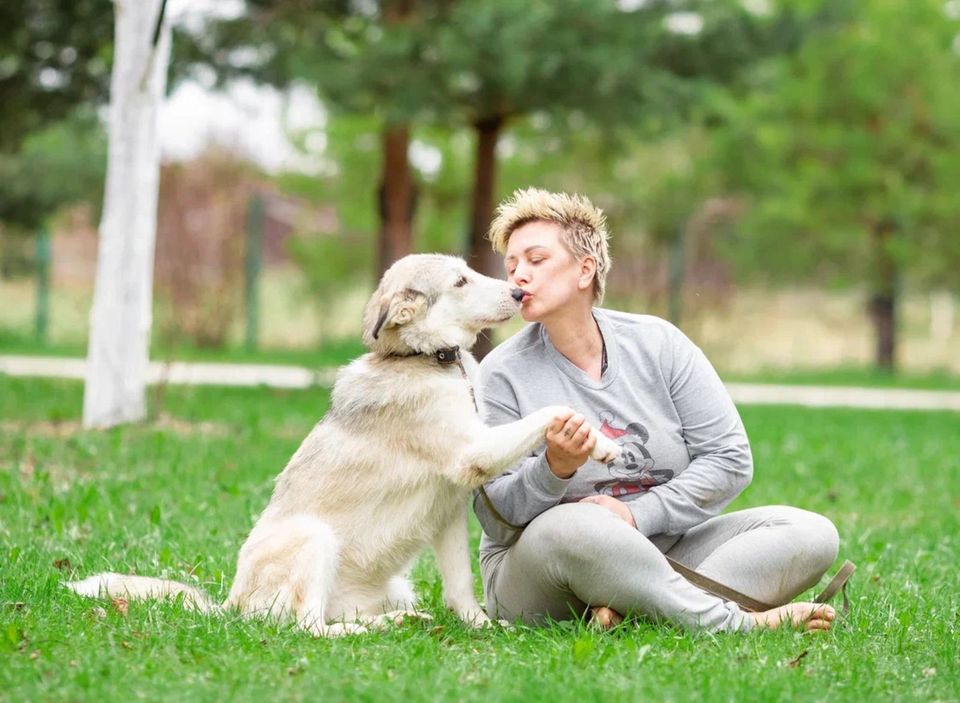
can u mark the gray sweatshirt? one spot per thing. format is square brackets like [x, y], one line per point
[685, 451]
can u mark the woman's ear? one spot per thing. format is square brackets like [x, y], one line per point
[588, 270]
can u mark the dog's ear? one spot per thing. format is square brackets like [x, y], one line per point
[398, 309]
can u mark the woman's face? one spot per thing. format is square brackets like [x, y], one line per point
[540, 264]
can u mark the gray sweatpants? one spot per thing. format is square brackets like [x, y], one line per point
[578, 555]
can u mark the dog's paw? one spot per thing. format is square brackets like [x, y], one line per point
[398, 617]
[496, 624]
[474, 617]
[606, 450]
[335, 629]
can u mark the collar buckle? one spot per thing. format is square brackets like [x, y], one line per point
[450, 355]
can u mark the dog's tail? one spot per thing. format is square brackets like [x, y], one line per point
[142, 588]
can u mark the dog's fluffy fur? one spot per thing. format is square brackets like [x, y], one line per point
[384, 473]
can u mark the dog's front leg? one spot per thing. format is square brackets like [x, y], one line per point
[495, 449]
[453, 560]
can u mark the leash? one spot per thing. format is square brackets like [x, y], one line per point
[704, 583]
[451, 355]
[447, 357]
[718, 589]
[839, 582]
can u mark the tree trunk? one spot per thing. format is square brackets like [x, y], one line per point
[883, 297]
[396, 192]
[120, 320]
[480, 255]
[396, 198]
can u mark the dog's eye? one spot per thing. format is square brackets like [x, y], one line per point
[461, 282]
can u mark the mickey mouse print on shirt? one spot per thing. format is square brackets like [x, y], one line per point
[634, 471]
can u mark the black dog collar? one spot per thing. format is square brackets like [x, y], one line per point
[447, 357]
[450, 355]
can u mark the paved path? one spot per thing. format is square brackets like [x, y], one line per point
[189, 372]
[204, 373]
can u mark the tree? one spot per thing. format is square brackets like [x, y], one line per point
[56, 56]
[488, 63]
[58, 164]
[121, 316]
[848, 158]
[361, 58]
[53, 74]
[620, 66]
[397, 189]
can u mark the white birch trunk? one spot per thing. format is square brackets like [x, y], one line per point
[120, 320]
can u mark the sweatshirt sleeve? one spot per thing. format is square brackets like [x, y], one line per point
[509, 502]
[721, 464]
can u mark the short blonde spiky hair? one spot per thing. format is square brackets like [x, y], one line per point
[583, 225]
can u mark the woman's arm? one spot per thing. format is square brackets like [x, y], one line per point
[721, 463]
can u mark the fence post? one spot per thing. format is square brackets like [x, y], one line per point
[675, 284]
[253, 266]
[42, 271]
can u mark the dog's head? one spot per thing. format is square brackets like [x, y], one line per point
[427, 302]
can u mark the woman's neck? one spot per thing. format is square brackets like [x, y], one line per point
[575, 335]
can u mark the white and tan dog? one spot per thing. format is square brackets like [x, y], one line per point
[385, 472]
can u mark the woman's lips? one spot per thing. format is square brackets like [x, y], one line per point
[526, 297]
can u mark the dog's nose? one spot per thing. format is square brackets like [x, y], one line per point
[517, 294]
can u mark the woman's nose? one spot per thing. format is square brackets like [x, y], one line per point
[520, 276]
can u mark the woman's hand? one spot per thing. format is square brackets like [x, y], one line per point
[615, 506]
[569, 443]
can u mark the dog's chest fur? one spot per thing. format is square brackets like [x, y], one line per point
[375, 467]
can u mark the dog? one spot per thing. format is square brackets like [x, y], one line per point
[386, 472]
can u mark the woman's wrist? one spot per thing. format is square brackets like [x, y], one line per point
[560, 468]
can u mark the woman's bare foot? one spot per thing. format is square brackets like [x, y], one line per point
[605, 618]
[810, 616]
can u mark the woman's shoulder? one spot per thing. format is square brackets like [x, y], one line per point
[527, 342]
[638, 324]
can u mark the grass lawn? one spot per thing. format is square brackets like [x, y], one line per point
[853, 376]
[174, 497]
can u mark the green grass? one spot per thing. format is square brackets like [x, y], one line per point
[175, 496]
[853, 376]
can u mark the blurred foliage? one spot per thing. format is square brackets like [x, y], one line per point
[628, 70]
[333, 265]
[55, 60]
[813, 124]
[349, 166]
[62, 163]
[857, 133]
[200, 246]
[451, 62]
[54, 56]
[334, 262]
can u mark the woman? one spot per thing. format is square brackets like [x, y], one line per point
[563, 534]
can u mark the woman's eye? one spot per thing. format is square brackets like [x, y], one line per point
[461, 282]
[536, 261]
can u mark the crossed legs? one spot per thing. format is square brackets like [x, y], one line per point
[578, 555]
